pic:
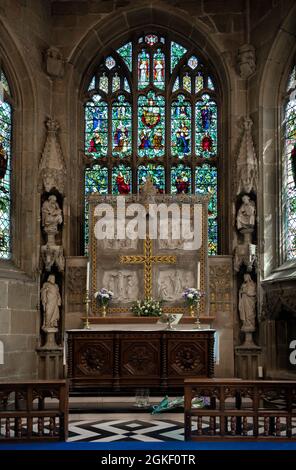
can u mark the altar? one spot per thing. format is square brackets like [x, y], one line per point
[121, 358]
[121, 351]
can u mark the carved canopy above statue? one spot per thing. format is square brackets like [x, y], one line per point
[140, 268]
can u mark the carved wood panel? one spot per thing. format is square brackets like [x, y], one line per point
[120, 360]
[140, 358]
[95, 358]
[187, 358]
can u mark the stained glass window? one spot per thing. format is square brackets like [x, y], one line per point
[121, 127]
[158, 69]
[180, 179]
[206, 127]
[181, 127]
[156, 174]
[121, 179]
[177, 52]
[289, 170]
[126, 54]
[5, 168]
[143, 68]
[96, 127]
[151, 125]
[141, 121]
[206, 183]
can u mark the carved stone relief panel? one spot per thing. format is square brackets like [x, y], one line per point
[124, 284]
[172, 283]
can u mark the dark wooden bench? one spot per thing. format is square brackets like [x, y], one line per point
[240, 409]
[34, 410]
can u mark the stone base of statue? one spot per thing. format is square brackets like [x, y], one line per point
[50, 357]
[248, 341]
[50, 341]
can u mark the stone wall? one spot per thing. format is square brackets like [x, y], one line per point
[18, 324]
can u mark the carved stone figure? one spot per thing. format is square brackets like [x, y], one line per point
[171, 283]
[52, 254]
[245, 254]
[51, 301]
[246, 214]
[124, 285]
[51, 215]
[247, 304]
[52, 170]
[55, 65]
[246, 60]
[247, 165]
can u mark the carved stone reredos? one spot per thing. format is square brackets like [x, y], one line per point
[247, 164]
[52, 170]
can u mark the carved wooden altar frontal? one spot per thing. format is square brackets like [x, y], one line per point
[123, 360]
[158, 268]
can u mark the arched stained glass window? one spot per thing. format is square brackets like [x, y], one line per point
[151, 110]
[289, 169]
[5, 167]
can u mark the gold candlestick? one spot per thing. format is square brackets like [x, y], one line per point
[87, 305]
[194, 313]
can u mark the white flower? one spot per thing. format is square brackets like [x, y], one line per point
[190, 296]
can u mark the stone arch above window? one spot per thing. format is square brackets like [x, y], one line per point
[152, 108]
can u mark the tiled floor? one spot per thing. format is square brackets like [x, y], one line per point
[128, 427]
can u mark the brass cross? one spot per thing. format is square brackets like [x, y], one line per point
[148, 260]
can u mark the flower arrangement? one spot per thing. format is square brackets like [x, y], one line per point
[103, 296]
[192, 296]
[147, 308]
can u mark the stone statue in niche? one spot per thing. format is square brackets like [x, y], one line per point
[245, 219]
[124, 285]
[51, 302]
[247, 304]
[51, 215]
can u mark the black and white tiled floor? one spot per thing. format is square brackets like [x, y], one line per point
[145, 428]
[131, 428]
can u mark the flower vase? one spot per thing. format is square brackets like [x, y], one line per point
[104, 310]
[194, 313]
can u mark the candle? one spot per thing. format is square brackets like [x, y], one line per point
[88, 276]
[198, 275]
[260, 372]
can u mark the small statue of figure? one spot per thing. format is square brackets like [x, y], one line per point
[51, 214]
[247, 304]
[51, 301]
[245, 219]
